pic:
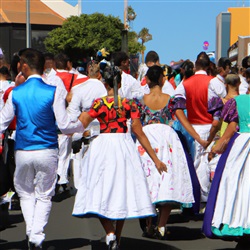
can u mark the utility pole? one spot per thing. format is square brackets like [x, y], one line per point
[125, 30]
[79, 7]
[125, 14]
[28, 29]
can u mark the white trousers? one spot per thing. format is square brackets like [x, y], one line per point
[35, 179]
[64, 144]
[201, 163]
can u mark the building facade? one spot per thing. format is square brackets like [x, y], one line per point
[233, 34]
[13, 18]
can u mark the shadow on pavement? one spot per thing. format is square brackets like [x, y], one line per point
[20, 245]
[179, 218]
[65, 244]
[16, 218]
[58, 197]
[133, 244]
[10, 219]
[184, 233]
[60, 244]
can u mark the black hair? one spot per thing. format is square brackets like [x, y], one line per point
[119, 57]
[4, 71]
[224, 62]
[48, 56]
[235, 69]
[203, 62]
[188, 68]
[248, 73]
[13, 65]
[152, 56]
[109, 74]
[61, 61]
[202, 54]
[34, 58]
[154, 75]
[245, 63]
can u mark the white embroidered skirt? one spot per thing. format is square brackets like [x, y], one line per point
[175, 185]
[113, 184]
[232, 208]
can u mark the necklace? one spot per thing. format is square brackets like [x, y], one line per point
[220, 79]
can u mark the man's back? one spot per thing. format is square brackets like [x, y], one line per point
[196, 88]
[84, 94]
[36, 128]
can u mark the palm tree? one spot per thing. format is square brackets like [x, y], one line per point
[145, 37]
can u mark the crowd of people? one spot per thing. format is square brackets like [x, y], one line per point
[172, 137]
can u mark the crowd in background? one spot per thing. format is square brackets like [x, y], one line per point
[180, 134]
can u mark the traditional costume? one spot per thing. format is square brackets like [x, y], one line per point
[113, 184]
[194, 93]
[83, 96]
[36, 104]
[227, 211]
[175, 185]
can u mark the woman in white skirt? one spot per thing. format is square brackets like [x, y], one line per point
[227, 212]
[113, 186]
[175, 186]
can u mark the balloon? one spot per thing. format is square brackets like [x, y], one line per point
[206, 44]
[205, 47]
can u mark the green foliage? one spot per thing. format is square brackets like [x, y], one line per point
[85, 35]
[133, 45]
[131, 14]
[144, 35]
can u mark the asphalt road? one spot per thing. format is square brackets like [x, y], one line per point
[65, 232]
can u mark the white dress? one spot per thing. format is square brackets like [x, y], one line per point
[112, 184]
[174, 185]
[228, 208]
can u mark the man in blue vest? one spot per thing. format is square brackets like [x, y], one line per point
[38, 107]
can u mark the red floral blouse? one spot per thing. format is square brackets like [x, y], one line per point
[114, 120]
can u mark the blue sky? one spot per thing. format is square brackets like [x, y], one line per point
[178, 27]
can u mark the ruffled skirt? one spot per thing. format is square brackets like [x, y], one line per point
[176, 184]
[113, 184]
[228, 207]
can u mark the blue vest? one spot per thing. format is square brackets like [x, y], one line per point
[35, 127]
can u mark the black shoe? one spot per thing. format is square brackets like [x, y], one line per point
[149, 232]
[113, 245]
[157, 235]
[32, 246]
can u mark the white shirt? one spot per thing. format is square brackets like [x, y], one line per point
[168, 88]
[4, 85]
[52, 79]
[243, 85]
[216, 87]
[130, 87]
[83, 96]
[64, 122]
[142, 71]
[180, 90]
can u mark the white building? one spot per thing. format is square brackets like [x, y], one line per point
[62, 8]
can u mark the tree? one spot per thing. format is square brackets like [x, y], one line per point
[133, 45]
[83, 36]
[145, 37]
[131, 14]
